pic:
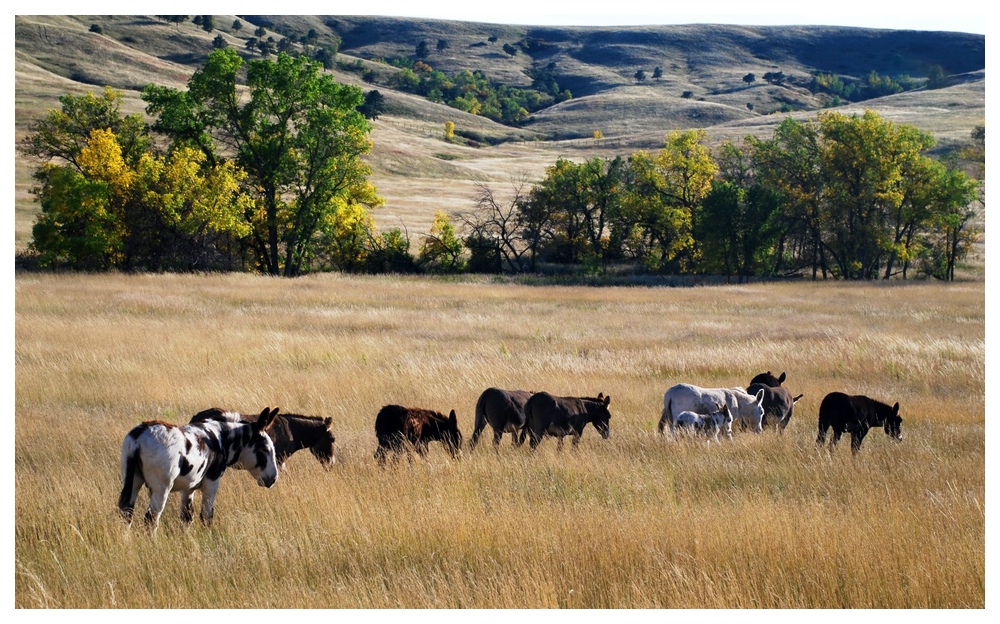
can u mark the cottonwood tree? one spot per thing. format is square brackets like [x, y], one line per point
[736, 224]
[294, 130]
[104, 206]
[790, 162]
[863, 162]
[663, 191]
[580, 202]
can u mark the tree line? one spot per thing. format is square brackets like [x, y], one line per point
[258, 166]
[845, 196]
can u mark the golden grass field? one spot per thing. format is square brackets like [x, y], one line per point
[761, 521]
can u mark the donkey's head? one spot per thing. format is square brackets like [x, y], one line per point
[894, 424]
[257, 452]
[450, 434]
[325, 446]
[768, 379]
[600, 415]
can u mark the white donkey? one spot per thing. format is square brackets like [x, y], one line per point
[184, 458]
[743, 407]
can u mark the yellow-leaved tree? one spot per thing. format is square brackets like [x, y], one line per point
[441, 251]
[666, 188]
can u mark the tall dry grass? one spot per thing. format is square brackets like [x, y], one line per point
[633, 521]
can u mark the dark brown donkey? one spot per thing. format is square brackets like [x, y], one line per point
[503, 410]
[545, 414]
[401, 428]
[778, 402]
[856, 414]
[290, 433]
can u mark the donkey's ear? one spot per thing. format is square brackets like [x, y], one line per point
[600, 396]
[781, 379]
[328, 421]
[895, 409]
[759, 396]
[266, 418]
[607, 400]
[797, 398]
[452, 416]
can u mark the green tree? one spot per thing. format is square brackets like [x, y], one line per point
[657, 73]
[208, 23]
[775, 77]
[736, 224]
[749, 78]
[864, 159]
[582, 204]
[219, 42]
[373, 106]
[63, 133]
[389, 252]
[237, 25]
[326, 56]
[936, 78]
[664, 191]
[791, 164]
[294, 130]
[640, 75]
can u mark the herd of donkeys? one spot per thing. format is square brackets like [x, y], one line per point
[167, 458]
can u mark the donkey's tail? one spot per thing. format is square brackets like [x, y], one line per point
[480, 421]
[131, 469]
[664, 418]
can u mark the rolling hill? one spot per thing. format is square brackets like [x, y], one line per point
[700, 85]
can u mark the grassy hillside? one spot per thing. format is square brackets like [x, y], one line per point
[418, 173]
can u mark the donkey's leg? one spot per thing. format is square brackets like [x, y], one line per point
[187, 506]
[837, 432]
[208, 491]
[535, 438]
[821, 435]
[857, 437]
[157, 501]
[497, 436]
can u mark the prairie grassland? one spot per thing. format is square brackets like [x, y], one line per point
[634, 521]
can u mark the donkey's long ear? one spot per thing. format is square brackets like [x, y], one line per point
[759, 396]
[607, 400]
[797, 398]
[781, 379]
[895, 409]
[266, 418]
